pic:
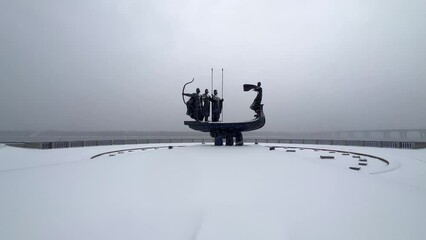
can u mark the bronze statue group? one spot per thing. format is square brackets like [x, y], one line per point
[198, 106]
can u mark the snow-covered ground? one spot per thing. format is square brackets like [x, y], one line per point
[205, 192]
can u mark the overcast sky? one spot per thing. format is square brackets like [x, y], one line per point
[120, 65]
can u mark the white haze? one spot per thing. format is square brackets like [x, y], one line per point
[120, 65]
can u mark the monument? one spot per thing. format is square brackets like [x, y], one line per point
[230, 131]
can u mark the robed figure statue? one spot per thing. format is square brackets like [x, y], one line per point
[205, 99]
[194, 105]
[217, 104]
[255, 106]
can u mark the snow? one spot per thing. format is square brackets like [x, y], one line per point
[206, 192]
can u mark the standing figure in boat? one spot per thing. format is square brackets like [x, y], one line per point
[255, 106]
[217, 104]
[205, 98]
[194, 106]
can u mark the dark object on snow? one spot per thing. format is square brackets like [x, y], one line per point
[170, 147]
[356, 156]
[362, 164]
[327, 157]
[272, 148]
[363, 160]
[290, 150]
[355, 168]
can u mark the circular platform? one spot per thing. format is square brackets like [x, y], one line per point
[201, 191]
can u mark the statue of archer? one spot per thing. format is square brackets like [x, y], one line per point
[194, 106]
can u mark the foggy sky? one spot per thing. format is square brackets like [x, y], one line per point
[324, 65]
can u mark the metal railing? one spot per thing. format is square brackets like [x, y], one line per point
[90, 143]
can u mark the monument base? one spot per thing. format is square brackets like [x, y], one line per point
[229, 131]
[229, 139]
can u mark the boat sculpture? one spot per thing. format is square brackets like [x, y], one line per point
[228, 130]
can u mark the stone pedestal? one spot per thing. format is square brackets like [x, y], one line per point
[218, 141]
[229, 140]
[229, 131]
[239, 139]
